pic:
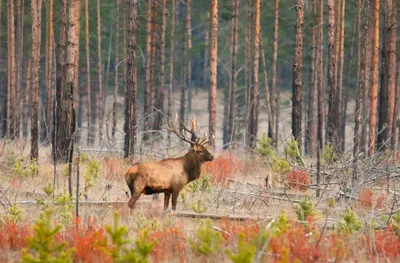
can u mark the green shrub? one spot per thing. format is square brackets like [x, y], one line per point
[245, 251]
[43, 247]
[351, 222]
[281, 166]
[304, 209]
[207, 241]
[328, 154]
[14, 214]
[265, 148]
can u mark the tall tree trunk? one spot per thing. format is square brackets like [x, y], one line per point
[248, 70]
[206, 74]
[184, 76]
[213, 67]
[116, 84]
[374, 80]
[234, 49]
[62, 138]
[394, 85]
[160, 95]
[267, 92]
[36, 9]
[100, 75]
[171, 65]
[274, 93]
[49, 70]
[3, 110]
[311, 132]
[18, 58]
[297, 71]
[90, 135]
[253, 121]
[131, 82]
[333, 111]
[362, 36]
[77, 95]
[341, 95]
[72, 72]
[11, 91]
[386, 82]
[368, 57]
[148, 81]
[27, 104]
[188, 25]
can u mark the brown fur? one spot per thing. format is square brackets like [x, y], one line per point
[167, 176]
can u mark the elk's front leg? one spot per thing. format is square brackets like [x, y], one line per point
[167, 196]
[136, 191]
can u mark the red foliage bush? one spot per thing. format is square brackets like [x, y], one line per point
[222, 168]
[231, 229]
[171, 243]
[298, 179]
[386, 244]
[14, 236]
[367, 198]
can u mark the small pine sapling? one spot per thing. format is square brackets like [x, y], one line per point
[245, 251]
[207, 241]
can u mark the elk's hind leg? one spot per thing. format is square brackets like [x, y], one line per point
[174, 200]
[136, 188]
[167, 196]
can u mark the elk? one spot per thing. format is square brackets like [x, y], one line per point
[170, 175]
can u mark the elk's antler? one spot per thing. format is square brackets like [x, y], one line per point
[205, 139]
[180, 135]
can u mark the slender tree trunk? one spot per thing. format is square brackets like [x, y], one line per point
[49, 70]
[253, 121]
[393, 70]
[188, 23]
[18, 58]
[267, 92]
[184, 76]
[171, 65]
[320, 73]
[90, 135]
[62, 139]
[11, 91]
[274, 93]
[36, 9]
[77, 95]
[386, 82]
[116, 84]
[206, 73]
[341, 95]
[248, 70]
[100, 75]
[148, 81]
[27, 104]
[297, 71]
[131, 81]
[233, 91]
[72, 72]
[362, 50]
[213, 66]
[160, 95]
[154, 64]
[374, 79]
[365, 113]
[333, 117]
[3, 104]
[311, 132]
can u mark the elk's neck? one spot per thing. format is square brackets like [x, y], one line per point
[192, 167]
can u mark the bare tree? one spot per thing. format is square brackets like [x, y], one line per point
[27, 99]
[36, 9]
[116, 84]
[374, 79]
[297, 71]
[131, 81]
[213, 66]
[333, 117]
[100, 75]
[340, 62]
[148, 81]
[272, 130]
[18, 58]
[171, 64]
[393, 85]
[233, 88]
[11, 90]
[88, 87]
[160, 93]
[188, 25]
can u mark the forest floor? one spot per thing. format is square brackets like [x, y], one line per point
[228, 215]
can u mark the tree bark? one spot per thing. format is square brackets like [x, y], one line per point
[62, 138]
[160, 95]
[297, 71]
[100, 75]
[274, 93]
[387, 81]
[77, 95]
[267, 92]
[374, 79]
[341, 95]
[321, 84]
[206, 73]
[49, 70]
[213, 67]
[394, 85]
[131, 81]
[361, 85]
[116, 83]
[11, 90]
[188, 25]
[18, 58]
[233, 91]
[147, 90]
[90, 135]
[312, 120]
[248, 70]
[333, 111]
[27, 99]
[171, 65]
[36, 9]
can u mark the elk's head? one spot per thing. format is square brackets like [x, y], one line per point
[198, 145]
